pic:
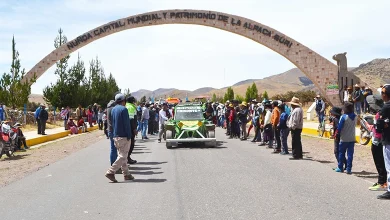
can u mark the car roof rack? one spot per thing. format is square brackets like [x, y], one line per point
[189, 103]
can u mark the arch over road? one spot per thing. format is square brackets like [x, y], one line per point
[322, 72]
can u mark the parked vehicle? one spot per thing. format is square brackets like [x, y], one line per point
[8, 141]
[366, 128]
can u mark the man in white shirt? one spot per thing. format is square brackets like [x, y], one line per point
[162, 117]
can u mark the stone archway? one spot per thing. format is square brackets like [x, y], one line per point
[322, 72]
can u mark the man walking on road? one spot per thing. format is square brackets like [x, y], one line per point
[295, 123]
[320, 109]
[132, 109]
[384, 120]
[114, 152]
[122, 137]
[162, 118]
[43, 117]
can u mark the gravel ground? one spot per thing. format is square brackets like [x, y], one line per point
[24, 163]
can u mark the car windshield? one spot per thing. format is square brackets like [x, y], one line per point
[189, 113]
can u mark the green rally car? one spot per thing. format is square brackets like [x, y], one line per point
[189, 125]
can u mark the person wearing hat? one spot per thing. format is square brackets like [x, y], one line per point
[320, 109]
[358, 99]
[384, 118]
[72, 126]
[232, 121]
[21, 139]
[275, 130]
[295, 124]
[335, 113]
[122, 137]
[346, 132]
[132, 109]
[43, 117]
[243, 117]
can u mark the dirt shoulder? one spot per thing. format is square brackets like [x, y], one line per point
[321, 150]
[24, 163]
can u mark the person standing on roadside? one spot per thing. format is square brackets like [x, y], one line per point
[295, 123]
[36, 115]
[145, 121]
[43, 117]
[113, 152]
[132, 109]
[100, 118]
[320, 109]
[275, 118]
[122, 137]
[163, 117]
[1, 112]
[282, 127]
[79, 111]
[243, 117]
[383, 126]
[357, 99]
[346, 131]
[335, 113]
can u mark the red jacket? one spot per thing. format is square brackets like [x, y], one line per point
[232, 115]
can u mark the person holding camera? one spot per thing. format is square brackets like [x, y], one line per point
[383, 126]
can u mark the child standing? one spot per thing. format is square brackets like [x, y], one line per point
[346, 131]
[336, 113]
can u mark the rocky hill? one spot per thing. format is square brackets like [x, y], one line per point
[374, 73]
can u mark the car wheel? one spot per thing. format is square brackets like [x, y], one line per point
[168, 135]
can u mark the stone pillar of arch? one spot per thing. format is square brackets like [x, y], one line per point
[319, 70]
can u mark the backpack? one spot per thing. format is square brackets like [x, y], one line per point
[318, 105]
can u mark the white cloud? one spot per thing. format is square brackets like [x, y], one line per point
[185, 56]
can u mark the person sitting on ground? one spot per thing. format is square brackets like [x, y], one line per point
[346, 131]
[21, 138]
[72, 126]
[81, 124]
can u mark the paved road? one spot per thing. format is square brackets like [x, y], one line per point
[237, 180]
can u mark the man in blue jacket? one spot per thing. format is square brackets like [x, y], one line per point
[36, 115]
[122, 137]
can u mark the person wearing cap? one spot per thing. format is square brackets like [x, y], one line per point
[243, 117]
[36, 116]
[335, 113]
[346, 132]
[122, 137]
[295, 124]
[113, 151]
[385, 117]
[43, 117]
[132, 109]
[357, 99]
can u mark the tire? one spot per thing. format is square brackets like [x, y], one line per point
[363, 140]
[168, 135]
[211, 134]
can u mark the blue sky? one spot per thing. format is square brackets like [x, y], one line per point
[164, 56]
